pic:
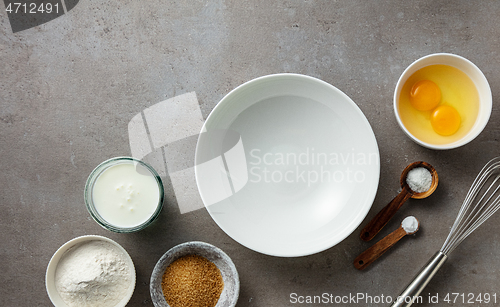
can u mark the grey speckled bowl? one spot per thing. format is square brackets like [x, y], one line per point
[229, 295]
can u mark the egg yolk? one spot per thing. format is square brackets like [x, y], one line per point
[445, 120]
[425, 95]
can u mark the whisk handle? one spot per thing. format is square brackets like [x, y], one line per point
[409, 295]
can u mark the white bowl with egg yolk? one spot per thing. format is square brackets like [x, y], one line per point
[476, 122]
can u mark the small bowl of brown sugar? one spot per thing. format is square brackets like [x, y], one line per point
[194, 274]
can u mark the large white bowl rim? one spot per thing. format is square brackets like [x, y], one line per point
[271, 226]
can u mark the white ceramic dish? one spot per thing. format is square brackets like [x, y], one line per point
[54, 296]
[474, 73]
[287, 165]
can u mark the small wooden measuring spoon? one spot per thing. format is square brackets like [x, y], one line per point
[381, 219]
[407, 227]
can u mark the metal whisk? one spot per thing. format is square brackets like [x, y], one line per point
[481, 202]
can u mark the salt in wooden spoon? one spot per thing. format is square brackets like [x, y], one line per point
[409, 226]
[381, 219]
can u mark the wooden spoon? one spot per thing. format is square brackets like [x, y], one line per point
[379, 248]
[381, 219]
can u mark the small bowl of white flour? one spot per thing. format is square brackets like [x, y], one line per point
[90, 271]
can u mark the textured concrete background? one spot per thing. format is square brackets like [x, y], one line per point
[70, 87]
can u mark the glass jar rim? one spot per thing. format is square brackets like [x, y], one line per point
[88, 192]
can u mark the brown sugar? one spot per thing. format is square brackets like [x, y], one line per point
[192, 281]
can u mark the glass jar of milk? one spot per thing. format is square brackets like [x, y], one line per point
[124, 194]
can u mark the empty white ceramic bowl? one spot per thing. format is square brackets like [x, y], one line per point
[54, 296]
[231, 290]
[287, 165]
[473, 72]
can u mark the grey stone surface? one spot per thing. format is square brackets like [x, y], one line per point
[70, 87]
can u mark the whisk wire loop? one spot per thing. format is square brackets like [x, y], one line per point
[481, 202]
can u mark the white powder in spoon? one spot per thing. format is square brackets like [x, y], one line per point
[419, 179]
[410, 224]
[93, 274]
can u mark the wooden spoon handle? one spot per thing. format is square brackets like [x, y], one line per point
[381, 219]
[378, 249]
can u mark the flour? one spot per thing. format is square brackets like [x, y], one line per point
[93, 274]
